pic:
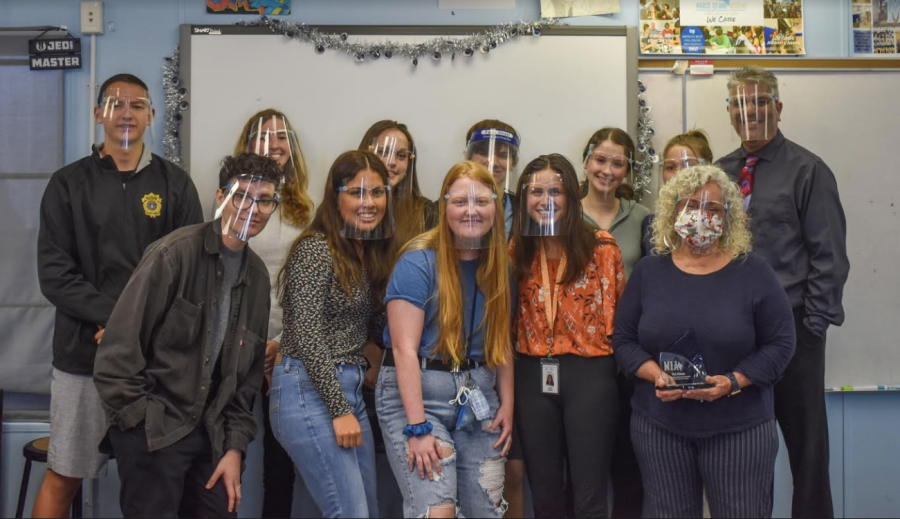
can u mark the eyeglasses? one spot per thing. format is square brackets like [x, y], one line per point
[464, 199]
[602, 160]
[705, 206]
[758, 101]
[376, 192]
[388, 152]
[243, 202]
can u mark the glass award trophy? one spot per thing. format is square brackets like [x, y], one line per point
[684, 364]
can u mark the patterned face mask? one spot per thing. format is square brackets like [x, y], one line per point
[699, 229]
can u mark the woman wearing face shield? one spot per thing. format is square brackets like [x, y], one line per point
[609, 205]
[394, 145]
[269, 133]
[413, 215]
[682, 151]
[331, 289]
[709, 299]
[569, 278]
[445, 391]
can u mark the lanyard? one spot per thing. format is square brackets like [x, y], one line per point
[551, 302]
[469, 335]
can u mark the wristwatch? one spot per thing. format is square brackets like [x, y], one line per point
[735, 385]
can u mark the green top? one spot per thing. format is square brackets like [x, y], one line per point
[626, 229]
[723, 42]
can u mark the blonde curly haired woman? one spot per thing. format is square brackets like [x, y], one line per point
[706, 297]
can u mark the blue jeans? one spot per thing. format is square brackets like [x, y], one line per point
[473, 476]
[341, 481]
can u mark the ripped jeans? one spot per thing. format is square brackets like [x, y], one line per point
[472, 477]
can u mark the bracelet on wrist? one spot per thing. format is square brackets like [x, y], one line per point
[415, 431]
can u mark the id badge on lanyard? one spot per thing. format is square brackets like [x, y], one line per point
[550, 366]
[550, 376]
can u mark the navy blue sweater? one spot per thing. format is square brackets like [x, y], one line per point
[743, 323]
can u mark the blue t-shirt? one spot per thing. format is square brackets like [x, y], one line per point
[414, 279]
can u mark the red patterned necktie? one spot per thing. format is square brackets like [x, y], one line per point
[746, 179]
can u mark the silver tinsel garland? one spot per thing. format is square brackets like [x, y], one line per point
[435, 48]
[175, 104]
[643, 169]
[176, 94]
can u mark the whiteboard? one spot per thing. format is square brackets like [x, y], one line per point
[852, 121]
[556, 90]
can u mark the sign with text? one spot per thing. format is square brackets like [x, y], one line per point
[876, 27]
[722, 12]
[54, 53]
[749, 27]
[54, 46]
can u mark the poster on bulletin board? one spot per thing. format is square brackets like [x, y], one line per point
[259, 7]
[876, 27]
[747, 27]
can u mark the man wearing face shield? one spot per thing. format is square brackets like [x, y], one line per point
[799, 228]
[98, 215]
[495, 145]
[182, 360]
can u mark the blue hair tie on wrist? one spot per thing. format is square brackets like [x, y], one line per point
[418, 430]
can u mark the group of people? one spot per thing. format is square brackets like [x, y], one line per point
[516, 325]
[654, 10]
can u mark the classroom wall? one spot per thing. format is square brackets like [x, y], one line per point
[865, 446]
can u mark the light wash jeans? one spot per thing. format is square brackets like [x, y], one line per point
[341, 481]
[473, 476]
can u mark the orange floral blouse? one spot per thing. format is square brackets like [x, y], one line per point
[584, 321]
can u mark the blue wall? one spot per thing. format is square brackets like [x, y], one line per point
[865, 443]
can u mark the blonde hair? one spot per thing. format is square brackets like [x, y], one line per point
[737, 239]
[492, 277]
[296, 205]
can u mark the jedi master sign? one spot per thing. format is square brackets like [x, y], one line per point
[54, 53]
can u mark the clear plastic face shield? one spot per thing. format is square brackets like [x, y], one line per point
[273, 137]
[542, 204]
[498, 151]
[701, 220]
[244, 205]
[754, 112]
[471, 210]
[364, 204]
[677, 158]
[605, 168]
[394, 150]
[125, 116]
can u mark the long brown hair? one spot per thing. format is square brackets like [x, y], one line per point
[492, 277]
[296, 205]
[409, 211]
[616, 136]
[579, 239]
[378, 255]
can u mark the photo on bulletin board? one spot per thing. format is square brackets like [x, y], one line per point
[259, 7]
[749, 27]
[569, 8]
[876, 27]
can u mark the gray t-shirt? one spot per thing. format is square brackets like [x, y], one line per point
[232, 262]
